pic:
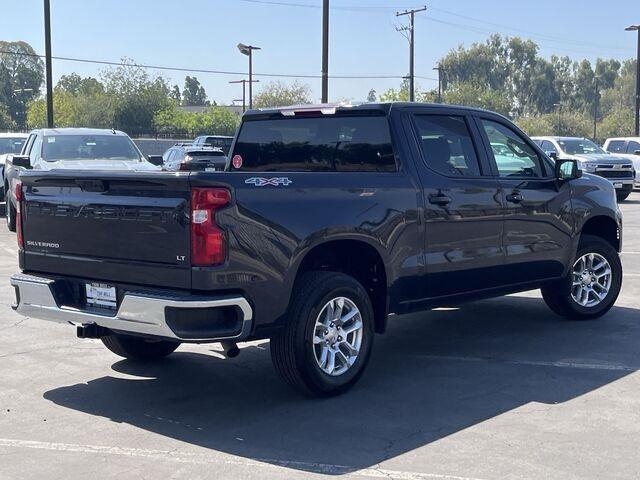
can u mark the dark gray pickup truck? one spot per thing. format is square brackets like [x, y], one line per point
[328, 221]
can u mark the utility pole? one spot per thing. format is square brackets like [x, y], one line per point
[412, 15]
[636, 28]
[440, 69]
[47, 52]
[325, 51]
[244, 95]
[596, 100]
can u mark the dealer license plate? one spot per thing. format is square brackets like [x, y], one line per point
[101, 295]
[617, 185]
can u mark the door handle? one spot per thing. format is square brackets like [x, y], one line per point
[439, 199]
[514, 197]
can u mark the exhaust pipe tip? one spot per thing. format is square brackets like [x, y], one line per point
[230, 349]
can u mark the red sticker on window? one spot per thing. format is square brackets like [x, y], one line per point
[237, 161]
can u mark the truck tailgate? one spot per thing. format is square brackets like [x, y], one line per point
[126, 227]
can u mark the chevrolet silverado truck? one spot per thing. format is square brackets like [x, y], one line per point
[327, 222]
[593, 159]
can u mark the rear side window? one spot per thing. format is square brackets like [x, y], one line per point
[316, 144]
[447, 146]
[633, 147]
[616, 146]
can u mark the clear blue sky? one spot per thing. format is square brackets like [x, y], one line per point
[204, 33]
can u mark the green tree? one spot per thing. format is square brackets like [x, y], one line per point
[193, 93]
[175, 94]
[136, 97]
[278, 94]
[21, 76]
[77, 85]
[213, 121]
[372, 96]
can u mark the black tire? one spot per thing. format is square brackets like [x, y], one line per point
[558, 294]
[623, 196]
[11, 215]
[292, 349]
[138, 348]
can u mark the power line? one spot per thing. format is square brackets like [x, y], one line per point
[202, 70]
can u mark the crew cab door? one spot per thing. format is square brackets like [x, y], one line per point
[463, 211]
[538, 224]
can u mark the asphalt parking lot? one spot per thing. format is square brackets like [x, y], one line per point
[496, 389]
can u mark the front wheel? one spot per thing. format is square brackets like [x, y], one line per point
[138, 348]
[326, 342]
[593, 284]
[623, 196]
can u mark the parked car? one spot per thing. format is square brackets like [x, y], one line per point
[627, 147]
[330, 221]
[593, 159]
[189, 157]
[10, 143]
[71, 148]
[220, 141]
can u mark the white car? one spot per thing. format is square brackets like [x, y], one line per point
[628, 147]
[10, 144]
[72, 148]
[592, 159]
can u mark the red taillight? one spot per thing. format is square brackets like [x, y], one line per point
[207, 239]
[19, 198]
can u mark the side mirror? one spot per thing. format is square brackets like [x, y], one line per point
[156, 160]
[637, 152]
[567, 170]
[21, 161]
[552, 155]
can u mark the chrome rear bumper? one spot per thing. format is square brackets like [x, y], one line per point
[138, 313]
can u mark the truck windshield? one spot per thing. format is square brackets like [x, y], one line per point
[11, 145]
[344, 143]
[580, 146]
[88, 147]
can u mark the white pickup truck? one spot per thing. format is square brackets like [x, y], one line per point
[76, 149]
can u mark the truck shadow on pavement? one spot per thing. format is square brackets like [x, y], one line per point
[431, 375]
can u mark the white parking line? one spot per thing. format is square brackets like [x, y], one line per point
[208, 459]
[558, 364]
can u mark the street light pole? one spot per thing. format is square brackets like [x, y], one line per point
[47, 51]
[244, 95]
[248, 51]
[439, 69]
[325, 51]
[636, 28]
[412, 16]
[559, 107]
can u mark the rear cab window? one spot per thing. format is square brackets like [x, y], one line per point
[344, 142]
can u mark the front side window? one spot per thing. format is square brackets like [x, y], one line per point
[36, 150]
[514, 157]
[633, 147]
[447, 146]
[615, 146]
[342, 143]
[88, 147]
[548, 147]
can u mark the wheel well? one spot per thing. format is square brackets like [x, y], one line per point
[605, 228]
[359, 260]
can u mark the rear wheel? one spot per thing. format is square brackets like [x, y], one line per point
[593, 284]
[138, 348]
[327, 340]
[10, 211]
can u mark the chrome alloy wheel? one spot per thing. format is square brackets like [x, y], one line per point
[337, 336]
[591, 280]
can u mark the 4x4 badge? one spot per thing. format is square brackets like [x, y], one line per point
[274, 181]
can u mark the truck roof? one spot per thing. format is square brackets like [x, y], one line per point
[50, 132]
[385, 107]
